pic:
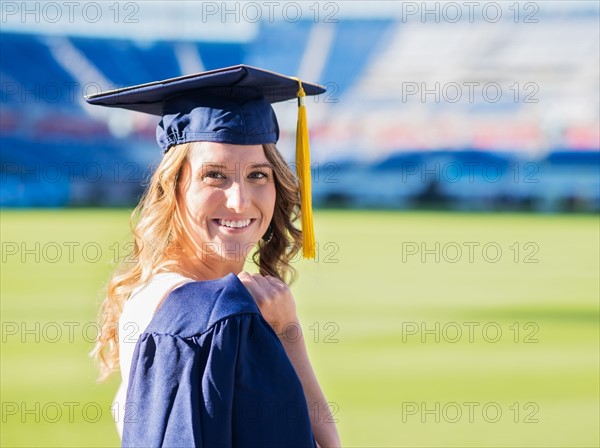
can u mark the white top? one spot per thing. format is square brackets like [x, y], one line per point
[137, 314]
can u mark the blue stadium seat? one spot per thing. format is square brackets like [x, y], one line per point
[355, 43]
[30, 75]
[125, 63]
[216, 54]
[279, 46]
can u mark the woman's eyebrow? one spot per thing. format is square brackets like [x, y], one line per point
[261, 165]
[224, 166]
[213, 165]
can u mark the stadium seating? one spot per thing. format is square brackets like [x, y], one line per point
[386, 152]
[129, 63]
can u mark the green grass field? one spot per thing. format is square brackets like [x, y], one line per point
[494, 343]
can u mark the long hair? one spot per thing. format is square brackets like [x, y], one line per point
[157, 230]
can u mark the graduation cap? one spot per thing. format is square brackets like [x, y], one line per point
[229, 105]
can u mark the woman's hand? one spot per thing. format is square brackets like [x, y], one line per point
[274, 299]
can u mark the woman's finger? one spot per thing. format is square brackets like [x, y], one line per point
[278, 285]
[250, 283]
[266, 288]
[260, 288]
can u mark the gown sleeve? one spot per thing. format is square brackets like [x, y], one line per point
[231, 385]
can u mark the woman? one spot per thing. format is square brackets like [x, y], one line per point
[202, 345]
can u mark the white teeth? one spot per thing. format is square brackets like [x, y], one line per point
[235, 224]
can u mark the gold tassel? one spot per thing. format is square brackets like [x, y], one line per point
[304, 175]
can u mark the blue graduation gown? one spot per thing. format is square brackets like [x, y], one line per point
[210, 372]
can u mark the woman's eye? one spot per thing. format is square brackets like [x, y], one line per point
[258, 175]
[214, 175]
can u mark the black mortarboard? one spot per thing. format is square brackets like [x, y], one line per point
[228, 105]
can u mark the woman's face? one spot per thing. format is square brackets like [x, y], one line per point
[227, 197]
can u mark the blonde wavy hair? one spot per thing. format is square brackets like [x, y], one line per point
[157, 232]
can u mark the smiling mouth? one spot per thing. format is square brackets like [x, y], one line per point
[235, 224]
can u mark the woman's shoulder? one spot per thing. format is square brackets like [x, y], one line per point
[145, 299]
[194, 307]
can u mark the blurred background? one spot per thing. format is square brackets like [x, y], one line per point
[456, 176]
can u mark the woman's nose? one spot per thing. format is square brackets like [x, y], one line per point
[237, 197]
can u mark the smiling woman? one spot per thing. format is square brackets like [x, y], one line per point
[226, 202]
[198, 341]
[231, 196]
